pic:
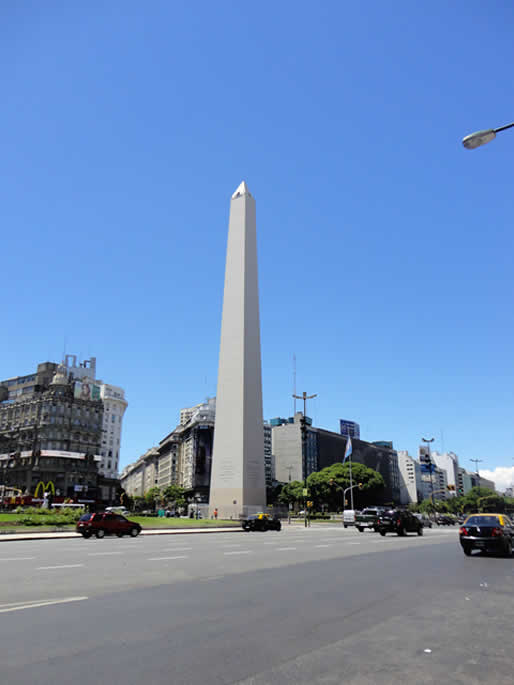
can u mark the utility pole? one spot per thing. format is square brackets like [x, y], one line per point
[428, 441]
[303, 428]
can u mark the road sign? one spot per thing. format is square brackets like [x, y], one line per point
[305, 492]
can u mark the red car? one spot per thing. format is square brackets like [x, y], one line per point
[106, 523]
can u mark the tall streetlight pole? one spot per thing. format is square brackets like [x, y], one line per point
[303, 427]
[474, 140]
[428, 441]
[477, 462]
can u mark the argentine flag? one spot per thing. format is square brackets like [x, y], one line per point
[348, 450]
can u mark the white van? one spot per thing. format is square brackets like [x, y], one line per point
[349, 517]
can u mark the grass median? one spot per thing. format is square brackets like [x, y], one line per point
[13, 523]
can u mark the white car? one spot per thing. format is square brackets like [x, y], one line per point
[349, 517]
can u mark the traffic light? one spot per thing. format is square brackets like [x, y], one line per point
[310, 505]
[361, 486]
[460, 491]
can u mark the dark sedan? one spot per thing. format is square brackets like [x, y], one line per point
[399, 522]
[261, 522]
[488, 533]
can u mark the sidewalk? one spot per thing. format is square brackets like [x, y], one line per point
[13, 537]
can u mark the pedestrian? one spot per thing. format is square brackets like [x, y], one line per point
[216, 514]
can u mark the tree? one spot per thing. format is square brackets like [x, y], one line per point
[174, 495]
[470, 499]
[153, 496]
[138, 503]
[327, 486]
[492, 503]
[291, 493]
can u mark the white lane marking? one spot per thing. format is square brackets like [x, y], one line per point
[354, 543]
[183, 556]
[234, 545]
[239, 551]
[284, 549]
[271, 543]
[17, 558]
[48, 568]
[323, 545]
[178, 549]
[102, 554]
[42, 603]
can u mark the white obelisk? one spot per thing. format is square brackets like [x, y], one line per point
[237, 476]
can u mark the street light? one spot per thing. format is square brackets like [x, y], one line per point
[474, 140]
[303, 426]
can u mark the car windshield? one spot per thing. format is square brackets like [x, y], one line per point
[85, 517]
[483, 521]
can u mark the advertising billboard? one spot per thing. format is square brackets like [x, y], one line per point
[350, 429]
[84, 390]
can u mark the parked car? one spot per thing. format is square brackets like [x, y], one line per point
[106, 523]
[488, 533]
[399, 522]
[368, 518]
[261, 522]
[427, 523]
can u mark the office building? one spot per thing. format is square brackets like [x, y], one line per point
[410, 478]
[324, 448]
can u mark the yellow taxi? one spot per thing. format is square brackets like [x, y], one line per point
[487, 533]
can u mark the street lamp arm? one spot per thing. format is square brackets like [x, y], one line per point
[503, 128]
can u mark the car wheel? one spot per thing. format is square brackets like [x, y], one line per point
[420, 530]
[100, 533]
[360, 529]
[279, 526]
[401, 532]
[508, 549]
[467, 551]
[86, 535]
[120, 535]
[345, 526]
[134, 532]
[382, 533]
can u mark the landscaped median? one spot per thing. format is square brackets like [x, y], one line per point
[48, 521]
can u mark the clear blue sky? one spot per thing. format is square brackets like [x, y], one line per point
[385, 248]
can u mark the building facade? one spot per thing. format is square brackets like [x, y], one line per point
[115, 404]
[449, 462]
[325, 448]
[184, 456]
[410, 478]
[51, 432]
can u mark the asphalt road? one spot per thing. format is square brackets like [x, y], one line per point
[323, 605]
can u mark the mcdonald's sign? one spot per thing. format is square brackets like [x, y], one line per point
[48, 486]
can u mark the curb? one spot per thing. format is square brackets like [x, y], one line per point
[20, 537]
